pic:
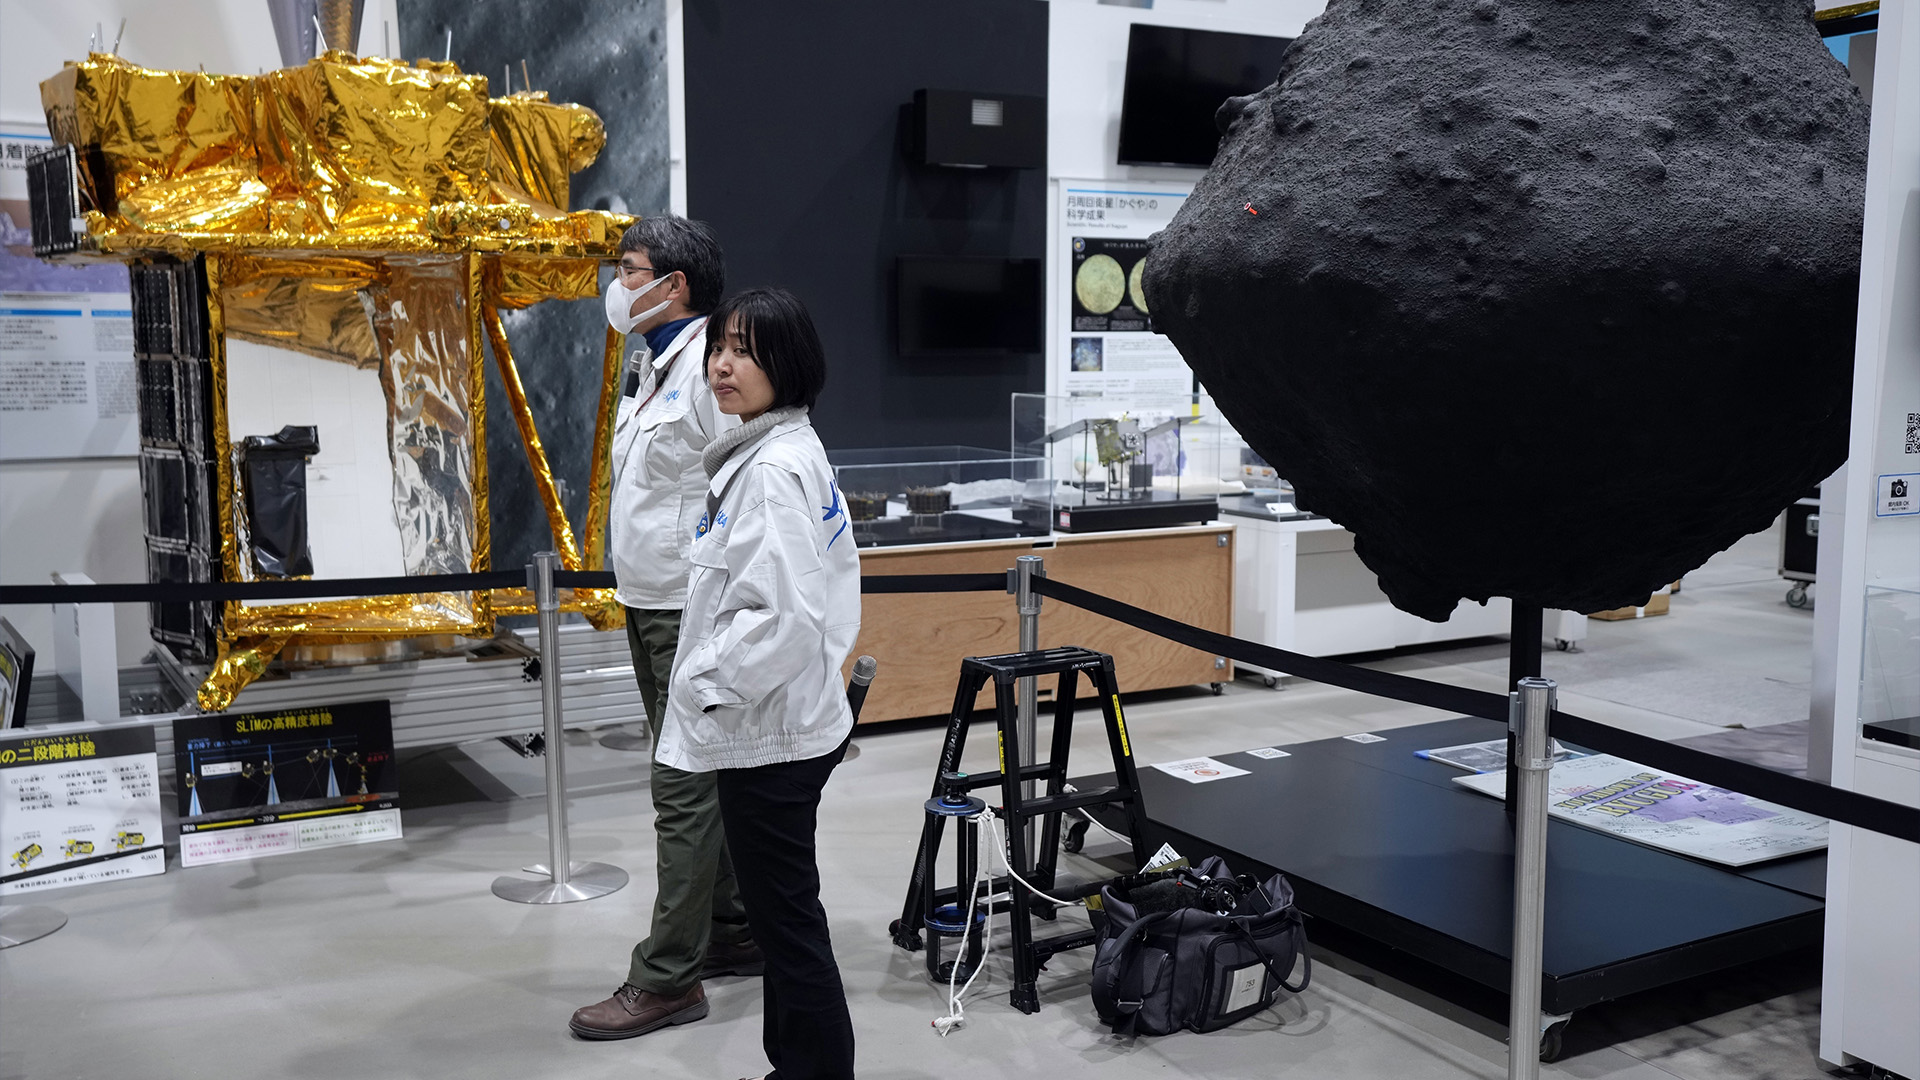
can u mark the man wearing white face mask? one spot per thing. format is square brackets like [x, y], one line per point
[669, 276]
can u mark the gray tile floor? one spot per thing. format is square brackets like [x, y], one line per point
[394, 960]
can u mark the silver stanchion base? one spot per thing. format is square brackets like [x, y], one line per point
[623, 740]
[23, 924]
[853, 751]
[585, 880]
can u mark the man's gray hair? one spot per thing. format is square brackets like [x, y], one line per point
[676, 243]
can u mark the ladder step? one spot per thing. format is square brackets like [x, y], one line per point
[1053, 804]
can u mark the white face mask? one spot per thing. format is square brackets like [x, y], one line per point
[620, 301]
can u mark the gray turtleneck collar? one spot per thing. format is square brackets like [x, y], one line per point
[722, 448]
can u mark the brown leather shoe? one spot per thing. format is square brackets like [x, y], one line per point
[632, 1011]
[742, 959]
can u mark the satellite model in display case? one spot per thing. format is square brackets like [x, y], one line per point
[1126, 463]
[939, 494]
[319, 256]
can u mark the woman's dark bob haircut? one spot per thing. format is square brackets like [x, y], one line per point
[780, 336]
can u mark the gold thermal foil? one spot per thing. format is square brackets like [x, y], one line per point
[477, 401]
[143, 127]
[318, 305]
[341, 154]
[240, 662]
[225, 199]
[536, 145]
[518, 281]
[600, 496]
[371, 145]
[364, 618]
[530, 439]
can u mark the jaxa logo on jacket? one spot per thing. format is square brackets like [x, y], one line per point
[834, 511]
[700, 530]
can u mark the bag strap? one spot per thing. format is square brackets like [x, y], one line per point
[1306, 977]
[1126, 953]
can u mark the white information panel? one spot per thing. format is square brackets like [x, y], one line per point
[79, 807]
[1104, 347]
[67, 386]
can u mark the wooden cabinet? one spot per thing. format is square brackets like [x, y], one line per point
[920, 638]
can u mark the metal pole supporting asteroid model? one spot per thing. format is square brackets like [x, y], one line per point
[1540, 299]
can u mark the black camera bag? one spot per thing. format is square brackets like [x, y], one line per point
[1158, 971]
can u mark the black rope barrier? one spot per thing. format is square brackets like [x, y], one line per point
[179, 592]
[175, 592]
[1832, 803]
[1835, 804]
[1378, 683]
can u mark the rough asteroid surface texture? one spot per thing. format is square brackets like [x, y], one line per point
[1542, 299]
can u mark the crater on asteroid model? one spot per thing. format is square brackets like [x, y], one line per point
[1540, 299]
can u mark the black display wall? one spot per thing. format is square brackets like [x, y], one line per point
[795, 133]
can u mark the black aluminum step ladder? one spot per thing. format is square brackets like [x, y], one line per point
[941, 912]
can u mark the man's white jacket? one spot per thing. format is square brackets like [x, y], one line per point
[659, 487]
[773, 607]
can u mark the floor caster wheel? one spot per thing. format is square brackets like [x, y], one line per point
[1552, 1042]
[1797, 597]
[1217, 688]
[1272, 681]
[1562, 645]
[1076, 836]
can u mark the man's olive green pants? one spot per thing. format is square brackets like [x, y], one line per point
[697, 900]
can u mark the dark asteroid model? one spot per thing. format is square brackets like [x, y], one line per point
[1540, 298]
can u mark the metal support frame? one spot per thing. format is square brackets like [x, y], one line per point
[1531, 710]
[1027, 690]
[567, 881]
[20, 925]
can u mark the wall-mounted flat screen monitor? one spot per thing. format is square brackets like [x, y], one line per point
[960, 305]
[1176, 80]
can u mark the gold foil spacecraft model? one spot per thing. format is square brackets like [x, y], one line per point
[316, 256]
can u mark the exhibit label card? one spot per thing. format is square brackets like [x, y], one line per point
[79, 807]
[269, 783]
[1200, 770]
[1667, 811]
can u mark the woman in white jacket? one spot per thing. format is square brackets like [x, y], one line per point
[773, 607]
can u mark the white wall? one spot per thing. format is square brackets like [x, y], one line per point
[85, 515]
[1086, 76]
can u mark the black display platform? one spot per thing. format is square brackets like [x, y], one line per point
[1094, 512]
[944, 528]
[1902, 732]
[1384, 845]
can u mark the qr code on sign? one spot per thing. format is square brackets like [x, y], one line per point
[1913, 433]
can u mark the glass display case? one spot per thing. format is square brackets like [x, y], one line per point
[1890, 666]
[937, 494]
[1131, 462]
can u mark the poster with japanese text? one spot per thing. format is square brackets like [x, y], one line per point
[269, 783]
[1106, 346]
[67, 386]
[79, 807]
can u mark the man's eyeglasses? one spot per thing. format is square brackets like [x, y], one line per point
[625, 269]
